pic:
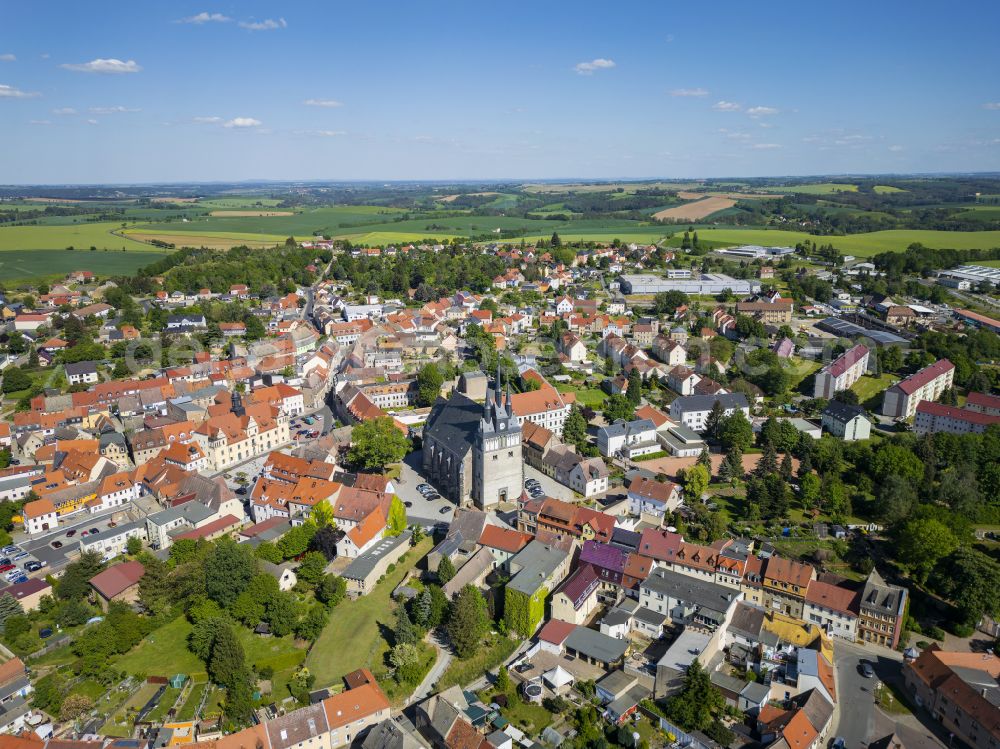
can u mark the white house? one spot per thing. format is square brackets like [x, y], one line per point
[628, 438]
[693, 410]
[846, 421]
[842, 372]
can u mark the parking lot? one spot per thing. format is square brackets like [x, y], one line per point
[419, 510]
[43, 549]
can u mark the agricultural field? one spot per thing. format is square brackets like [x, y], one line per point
[696, 210]
[80, 236]
[214, 240]
[37, 264]
[608, 187]
[862, 245]
[887, 189]
[818, 188]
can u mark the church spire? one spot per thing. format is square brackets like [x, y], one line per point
[497, 389]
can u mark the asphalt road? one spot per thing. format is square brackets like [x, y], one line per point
[854, 693]
[859, 720]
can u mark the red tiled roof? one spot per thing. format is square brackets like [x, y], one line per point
[556, 631]
[504, 539]
[961, 414]
[917, 380]
[117, 578]
[983, 400]
[843, 600]
[847, 360]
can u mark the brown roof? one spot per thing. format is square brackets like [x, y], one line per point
[117, 578]
[353, 704]
[556, 631]
[504, 539]
[788, 571]
[464, 736]
[843, 600]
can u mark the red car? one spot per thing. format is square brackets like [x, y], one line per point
[6, 567]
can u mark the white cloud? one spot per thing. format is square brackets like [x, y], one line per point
[761, 111]
[896, 149]
[727, 106]
[101, 65]
[268, 24]
[11, 92]
[45, 55]
[734, 134]
[91, 122]
[7, 58]
[588, 68]
[992, 105]
[330, 103]
[39, 122]
[112, 110]
[64, 110]
[205, 17]
[322, 133]
[766, 146]
[670, 38]
[207, 120]
[242, 122]
[689, 92]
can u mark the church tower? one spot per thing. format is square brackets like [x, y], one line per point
[497, 463]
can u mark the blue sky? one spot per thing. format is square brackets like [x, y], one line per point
[143, 92]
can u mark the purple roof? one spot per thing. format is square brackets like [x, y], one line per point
[784, 348]
[602, 556]
[580, 584]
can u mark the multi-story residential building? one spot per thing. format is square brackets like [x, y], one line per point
[693, 410]
[546, 407]
[785, 584]
[842, 372]
[687, 600]
[682, 379]
[961, 691]
[983, 403]
[881, 610]
[243, 433]
[628, 438]
[932, 418]
[769, 313]
[392, 395]
[901, 400]
[647, 496]
[832, 607]
[846, 421]
[668, 351]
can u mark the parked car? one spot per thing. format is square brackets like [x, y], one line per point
[33, 566]
[407, 504]
[56, 544]
[71, 533]
[5, 560]
[9, 549]
[45, 632]
[444, 510]
[866, 670]
[22, 555]
[19, 579]
[93, 531]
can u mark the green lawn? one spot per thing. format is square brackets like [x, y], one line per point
[165, 652]
[352, 639]
[188, 710]
[593, 397]
[869, 388]
[494, 652]
[166, 702]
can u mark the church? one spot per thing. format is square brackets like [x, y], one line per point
[472, 452]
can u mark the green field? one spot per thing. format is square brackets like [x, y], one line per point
[869, 387]
[817, 188]
[80, 236]
[883, 189]
[165, 652]
[28, 264]
[359, 622]
[863, 245]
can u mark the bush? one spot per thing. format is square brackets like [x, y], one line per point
[936, 632]
[960, 629]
